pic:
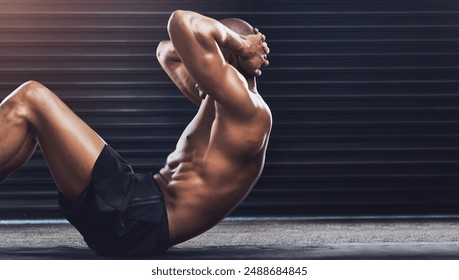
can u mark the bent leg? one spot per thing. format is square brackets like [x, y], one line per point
[16, 143]
[70, 147]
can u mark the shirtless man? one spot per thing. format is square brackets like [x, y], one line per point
[217, 161]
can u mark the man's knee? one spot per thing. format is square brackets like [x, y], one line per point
[32, 93]
[31, 90]
[26, 98]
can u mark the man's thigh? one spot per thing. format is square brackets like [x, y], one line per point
[70, 147]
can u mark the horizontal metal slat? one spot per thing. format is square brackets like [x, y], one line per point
[370, 110]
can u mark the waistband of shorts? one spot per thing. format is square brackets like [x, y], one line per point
[163, 238]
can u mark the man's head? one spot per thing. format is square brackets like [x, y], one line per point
[240, 27]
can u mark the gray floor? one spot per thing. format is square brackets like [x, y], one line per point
[428, 239]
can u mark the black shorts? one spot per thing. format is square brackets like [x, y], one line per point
[121, 213]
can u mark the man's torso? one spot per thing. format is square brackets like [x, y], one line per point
[217, 161]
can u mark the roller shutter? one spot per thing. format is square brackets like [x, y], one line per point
[364, 95]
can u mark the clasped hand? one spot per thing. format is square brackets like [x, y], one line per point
[254, 54]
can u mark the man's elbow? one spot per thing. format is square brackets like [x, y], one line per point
[178, 19]
[179, 15]
[161, 50]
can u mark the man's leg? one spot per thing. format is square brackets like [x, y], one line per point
[33, 115]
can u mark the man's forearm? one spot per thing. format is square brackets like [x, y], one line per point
[208, 30]
[225, 37]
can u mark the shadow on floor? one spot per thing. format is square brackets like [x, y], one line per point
[48, 253]
[196, 253]
[216, 252]
[354, 252]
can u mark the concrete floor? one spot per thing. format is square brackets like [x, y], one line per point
[271, 239]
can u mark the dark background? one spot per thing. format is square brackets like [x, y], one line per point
[364, 95]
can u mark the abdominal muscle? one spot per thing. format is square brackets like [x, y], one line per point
[197, 196]
[202, 181]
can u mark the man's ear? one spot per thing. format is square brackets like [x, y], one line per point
[232, 59]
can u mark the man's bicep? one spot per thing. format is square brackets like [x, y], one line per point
[225, 84]
[230, 89]
[197, 50]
